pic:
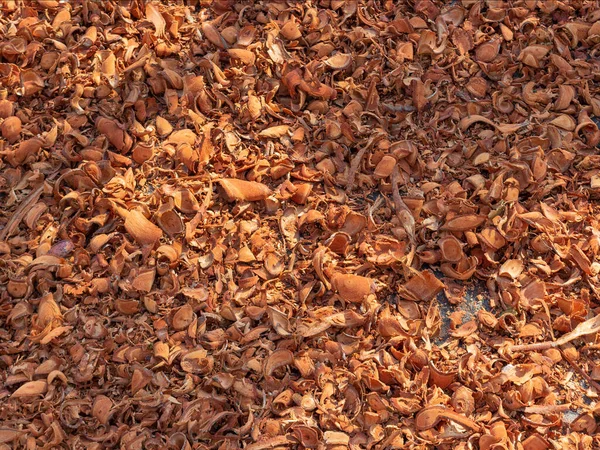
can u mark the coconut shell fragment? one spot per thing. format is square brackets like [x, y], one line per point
[352, 288]
[141, 229]
[249, 191]
[463, 223]
[101, 409]
[430, 416]
[339, 61]
[423, 286]
[11, 128]
[31, 389]
[115, 134]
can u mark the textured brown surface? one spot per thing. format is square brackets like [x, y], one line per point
[322, 224]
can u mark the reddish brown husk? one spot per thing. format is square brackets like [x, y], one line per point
[333, 224]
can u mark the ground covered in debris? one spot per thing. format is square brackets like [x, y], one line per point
[299, 224]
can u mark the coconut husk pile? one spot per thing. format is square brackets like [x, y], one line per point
[259, 224]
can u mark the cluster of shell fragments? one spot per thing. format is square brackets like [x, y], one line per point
[320, 224]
